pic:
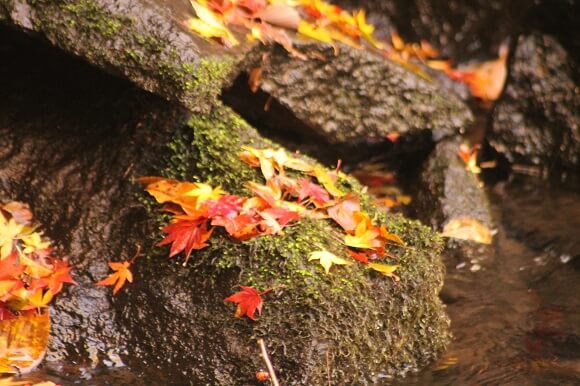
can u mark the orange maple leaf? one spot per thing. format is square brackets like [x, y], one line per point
[118, 278]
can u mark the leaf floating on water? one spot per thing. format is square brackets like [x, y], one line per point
[466, 228]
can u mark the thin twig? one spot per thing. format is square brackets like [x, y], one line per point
[267, 362]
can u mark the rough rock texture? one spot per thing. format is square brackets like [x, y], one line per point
[537, 121]
[142, 40]
[462, 29]
[72, 138]
[447, 192]
[350, 97]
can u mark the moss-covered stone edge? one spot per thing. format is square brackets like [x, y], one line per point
[366, 325]
[123, 45]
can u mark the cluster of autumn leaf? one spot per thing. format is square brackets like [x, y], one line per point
[198, 208]
[274, 20]
[30, 274]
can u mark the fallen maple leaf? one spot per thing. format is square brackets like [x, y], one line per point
[343, 213]
[486, 79]
[209, 25]
[469, 155]
[249, 300]
[121, 275]
[328, 181]
[327, 259]
[467, 228]
[314, 192]
[185, 236]
[385, 269]
[366, 236]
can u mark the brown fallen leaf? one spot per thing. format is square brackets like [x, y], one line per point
[467, 228]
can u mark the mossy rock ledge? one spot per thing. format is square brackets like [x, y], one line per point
[348, 327]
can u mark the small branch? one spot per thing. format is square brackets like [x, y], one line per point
[267, 362]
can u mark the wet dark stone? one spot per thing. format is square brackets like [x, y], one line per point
[354, 97]
[145, 41]
[460, 29]
[446, 192]
[70, 138]
[537, 120]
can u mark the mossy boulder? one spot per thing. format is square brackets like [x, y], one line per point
[348, 327]
[344, 95]
[145, 41]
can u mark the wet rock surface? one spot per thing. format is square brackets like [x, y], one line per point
[351, 97]
[145, 41]
[537, 121]
[71, 138]
[448, 192]
[460, 29]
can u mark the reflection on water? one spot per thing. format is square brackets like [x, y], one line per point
[516, 321]
[515, 318]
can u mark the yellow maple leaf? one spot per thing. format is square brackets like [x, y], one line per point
[33, 242]
[326, 180]
[203, 192]
[314, 32]
[210, 25]
[367, 30]
[327, 259]
[9, 230]
[385, 269]
[365, 236]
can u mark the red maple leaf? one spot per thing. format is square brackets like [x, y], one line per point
[227, 206]
[5, 313]
[359, 256]
[249, 300]
[186, 235]
[10, 267]
[241, 227]
[317, 194]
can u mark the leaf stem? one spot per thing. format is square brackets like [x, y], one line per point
[266, 359]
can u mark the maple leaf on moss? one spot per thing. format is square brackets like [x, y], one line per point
[314, 192]
[343, 213]
[118, 278]
[327, 259]
[385, 269]
[328, 181]
[249, 301]
[185, 236]
[366, 236]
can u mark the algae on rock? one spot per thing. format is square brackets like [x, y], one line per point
[350, 326]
